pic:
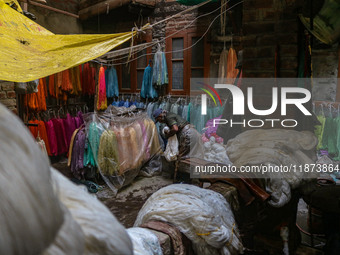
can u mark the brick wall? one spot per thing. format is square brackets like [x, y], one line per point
[8, 96]
[266, 26]
[271, 27]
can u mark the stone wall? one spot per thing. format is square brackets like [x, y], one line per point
[8, 96]
[325, 65]
[268, 25]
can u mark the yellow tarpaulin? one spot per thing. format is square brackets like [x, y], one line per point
[29, 51]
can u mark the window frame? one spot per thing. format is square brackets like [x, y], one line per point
[187, 36]
[146, 38]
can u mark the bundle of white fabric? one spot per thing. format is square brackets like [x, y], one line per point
[278, 148]
[44, 214]
[204, 216]
[215, 152]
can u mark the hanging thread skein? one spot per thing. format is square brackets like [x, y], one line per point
[101, 96]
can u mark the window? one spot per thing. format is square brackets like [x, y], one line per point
[185, 64]
[130, 76]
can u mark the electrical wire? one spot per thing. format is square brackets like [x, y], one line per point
[185, 27]
[182, 50]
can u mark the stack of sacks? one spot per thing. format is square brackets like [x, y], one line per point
[203, 216]
[44, 213]
[276, 147]
[144, 242]
[214, 151]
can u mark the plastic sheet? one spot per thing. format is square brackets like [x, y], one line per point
[171, 150]
[144, 242]
[121, 145]
[204, 216]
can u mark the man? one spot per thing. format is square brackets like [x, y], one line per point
[190, 142]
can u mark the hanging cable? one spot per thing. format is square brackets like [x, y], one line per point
[185, 27]
[122, 63]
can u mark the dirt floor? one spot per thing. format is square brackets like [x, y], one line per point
[126, 205]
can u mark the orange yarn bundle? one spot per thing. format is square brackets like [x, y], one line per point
[231, 70]
[101, 91]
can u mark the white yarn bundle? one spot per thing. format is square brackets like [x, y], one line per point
[30, 211]
[276, 147]
[103, 233]
[47, 214]
[204, 216]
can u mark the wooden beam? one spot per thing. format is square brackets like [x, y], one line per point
[100, 8]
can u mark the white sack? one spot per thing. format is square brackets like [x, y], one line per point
[104, 235]
[144, 242]
[204, 216]
[30, 212]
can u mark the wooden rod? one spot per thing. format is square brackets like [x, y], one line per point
[53, 9]
[101, 8]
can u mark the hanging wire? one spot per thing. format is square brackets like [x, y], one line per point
[122, 63]
[185, 27]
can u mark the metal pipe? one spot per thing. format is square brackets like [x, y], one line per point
[53, 9]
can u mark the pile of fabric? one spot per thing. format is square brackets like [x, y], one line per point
[277, 148]
[203, 216]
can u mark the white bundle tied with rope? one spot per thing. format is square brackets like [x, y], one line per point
[203, 216]
[44, 213]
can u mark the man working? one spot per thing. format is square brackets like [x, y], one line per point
[190, 142]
